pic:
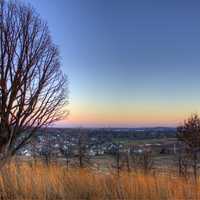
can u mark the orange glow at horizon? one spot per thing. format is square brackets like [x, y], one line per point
[129, 118]
[129, 121]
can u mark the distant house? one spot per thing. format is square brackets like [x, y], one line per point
[92, 152]
[26, 152]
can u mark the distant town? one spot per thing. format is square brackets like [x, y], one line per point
[65, 143]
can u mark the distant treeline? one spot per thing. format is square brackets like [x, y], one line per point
[111, 133]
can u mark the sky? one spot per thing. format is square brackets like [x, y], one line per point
[129, 63]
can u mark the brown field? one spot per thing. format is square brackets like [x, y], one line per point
[38, 181]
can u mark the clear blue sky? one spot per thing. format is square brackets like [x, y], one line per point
[129, 63]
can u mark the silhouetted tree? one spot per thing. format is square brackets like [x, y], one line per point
[183, 163]
[189, 134]
[83, 156]
[33, 146]
[127, 161]
[47, 148]
[146, 162]
[118, 161]
[125, 158]
[46, 155]
[66, 151]
[142, 161]
[32, 85]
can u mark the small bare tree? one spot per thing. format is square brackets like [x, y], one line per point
[32, 85]
[46, 152]
[66, 150]
[118, 158]
[124, 159]
[189, 134]
[127, 161]
[146, 162]
[67, 153]
[143, 161]
[33, 145]
[183, 163]
[83, 156]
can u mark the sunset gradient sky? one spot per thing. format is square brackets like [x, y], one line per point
[130, 63]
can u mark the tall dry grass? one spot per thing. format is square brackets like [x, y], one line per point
[23, 180]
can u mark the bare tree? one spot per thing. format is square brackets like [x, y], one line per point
[83, 157]
[146, 162]
[34, 152]
[118, 158]
[122, 161]
[46, 152]
[67, 153]
[189, 134]
[66, 150]
[127, 161]
[143, 161]
[32, 85]
[183, 163]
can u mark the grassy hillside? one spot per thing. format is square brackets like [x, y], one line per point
[28, 181]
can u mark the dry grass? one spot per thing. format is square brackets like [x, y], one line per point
[26, 181]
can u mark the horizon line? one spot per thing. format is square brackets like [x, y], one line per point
[112, 127]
